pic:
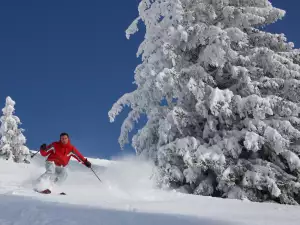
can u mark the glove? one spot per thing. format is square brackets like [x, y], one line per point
[43, 147]
[87, 163]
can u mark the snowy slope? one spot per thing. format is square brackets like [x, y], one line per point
[125, 197]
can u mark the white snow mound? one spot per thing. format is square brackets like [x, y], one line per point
[126, 196]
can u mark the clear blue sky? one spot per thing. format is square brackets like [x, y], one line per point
[66, 62]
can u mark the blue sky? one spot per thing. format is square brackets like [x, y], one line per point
[66, 62]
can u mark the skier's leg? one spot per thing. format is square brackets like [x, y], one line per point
[45, 181]
[50, 171]
[61, 174]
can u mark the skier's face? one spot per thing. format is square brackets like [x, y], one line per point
[64, 139]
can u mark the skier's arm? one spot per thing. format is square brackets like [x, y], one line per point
[77, 155]
[45, 151]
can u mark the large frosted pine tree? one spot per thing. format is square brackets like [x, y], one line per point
[221, 97]
[12, 143]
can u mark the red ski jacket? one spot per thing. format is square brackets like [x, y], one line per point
[60, 154]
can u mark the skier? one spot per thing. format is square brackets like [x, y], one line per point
[59, 154]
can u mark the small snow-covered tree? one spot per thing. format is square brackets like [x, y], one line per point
[221, 96]
[12, 143]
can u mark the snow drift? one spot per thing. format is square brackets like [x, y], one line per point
[126, 196]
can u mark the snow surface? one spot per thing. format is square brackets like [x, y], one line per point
[126, 196]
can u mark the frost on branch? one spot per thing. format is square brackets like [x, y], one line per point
[133, 28]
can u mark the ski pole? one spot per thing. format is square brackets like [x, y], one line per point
[96, 175]
[35, 153]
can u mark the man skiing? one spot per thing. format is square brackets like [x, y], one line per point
[59, 154]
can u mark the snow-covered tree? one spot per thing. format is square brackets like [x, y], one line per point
[12, 143]
[221, 96]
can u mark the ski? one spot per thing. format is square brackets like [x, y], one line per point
[47, 191]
